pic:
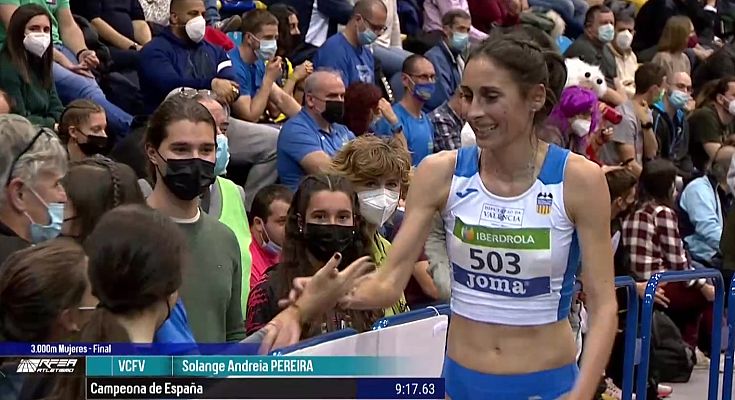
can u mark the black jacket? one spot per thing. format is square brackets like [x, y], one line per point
[10, 242]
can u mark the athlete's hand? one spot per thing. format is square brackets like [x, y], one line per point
[328, 285]
[320, 293]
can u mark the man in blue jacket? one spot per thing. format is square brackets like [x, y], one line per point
[447, 56]
[704, 204]
[180, 57]
[348, 52]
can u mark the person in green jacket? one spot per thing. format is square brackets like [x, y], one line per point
[25, 67]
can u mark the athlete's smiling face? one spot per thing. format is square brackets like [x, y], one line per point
[498, 110]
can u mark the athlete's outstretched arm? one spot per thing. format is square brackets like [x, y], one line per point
[588, 204]
[427, 195]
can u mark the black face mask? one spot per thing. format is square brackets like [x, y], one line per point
[94, 145]
[334, 111]
[323, 241]
[188, 178]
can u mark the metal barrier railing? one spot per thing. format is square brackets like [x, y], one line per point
[631, 334]
[647, 322]
[728, 372]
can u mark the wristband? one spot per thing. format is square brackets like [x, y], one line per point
[80, 52]
[396, 128]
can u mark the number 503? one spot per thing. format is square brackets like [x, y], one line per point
[495, 261]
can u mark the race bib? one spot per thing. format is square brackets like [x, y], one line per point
[513, 262]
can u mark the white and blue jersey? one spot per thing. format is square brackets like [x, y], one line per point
[513, 259]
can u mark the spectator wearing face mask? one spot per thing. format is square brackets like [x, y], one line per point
[711, 123]
[226, 200]
[419, 83]
[289, 38]
[32, 163]
[180, 57]
[181, 147]
[446, 57]
[675, 39]
[379, 171]
[671, 126]
[704, 204]
[82, 129]
[308, 141]
[322, 224]
[625, 59]
[257, 81]
[574, 120]
[434, 10]
[633, 139]
[347, 52]
[25, 66]
[73, 62]
[267, 224]
[591, 47]
[448, 120]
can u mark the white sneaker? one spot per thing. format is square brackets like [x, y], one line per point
[702, 360]
[664, 391]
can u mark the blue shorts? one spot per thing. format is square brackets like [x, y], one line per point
[465, 384]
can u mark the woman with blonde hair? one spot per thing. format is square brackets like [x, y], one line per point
[380, 173]
[677, 36]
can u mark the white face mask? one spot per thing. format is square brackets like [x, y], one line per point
[581, 127]
[731, 107]
[196, 28]
[37, 43]
[377, 205]
[624, 39]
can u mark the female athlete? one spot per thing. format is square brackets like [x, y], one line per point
[520, 217]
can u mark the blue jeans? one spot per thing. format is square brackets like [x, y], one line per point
[391, 59]
[71, 86]
[572, 11]
[212, 14]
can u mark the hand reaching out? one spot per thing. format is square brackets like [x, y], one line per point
[311, 296]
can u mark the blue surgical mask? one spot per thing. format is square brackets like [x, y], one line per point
[41, 233]
[267, 49]
[269, 246]
[606, 33]
[678, 99]
[223, 155]
[272, 248]
[423, 91]
[367, 37]
[459, 41]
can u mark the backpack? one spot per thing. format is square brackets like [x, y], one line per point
[673, 359]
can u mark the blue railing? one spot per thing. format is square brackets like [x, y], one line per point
[631, 334]
[647, 321]
[413, 315]
[727, 374]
